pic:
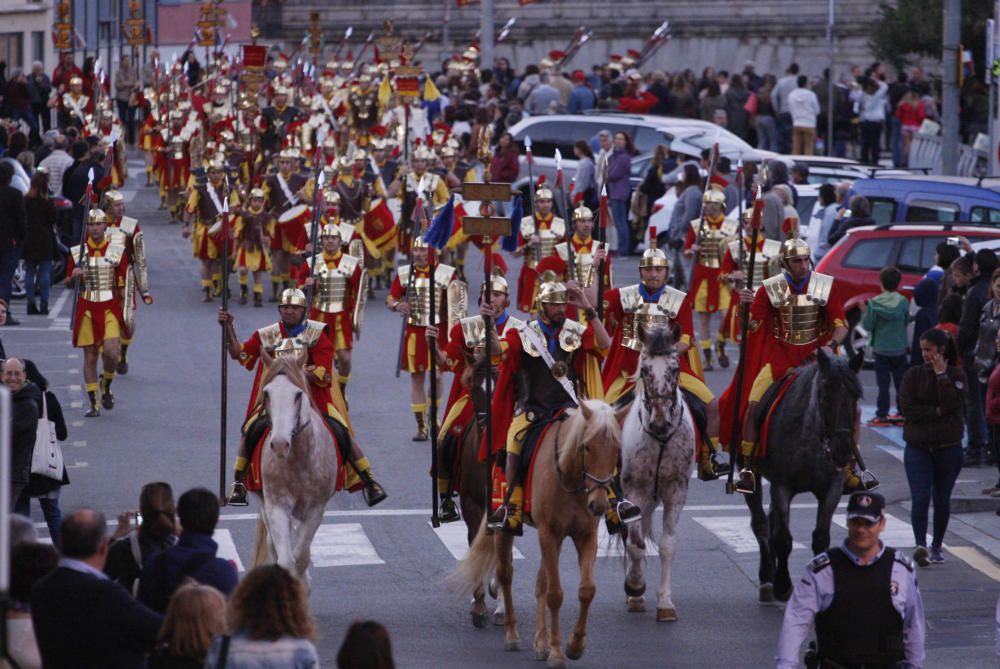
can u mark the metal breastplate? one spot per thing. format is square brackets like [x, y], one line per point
[710, 240]
[548, 238]
[762, 259]
[640, 315]
[420, 299]
[331, 284]
[800, 318]
[177, 147]
[273, 341]
[99, 273]
[582, 269]
[538, 388]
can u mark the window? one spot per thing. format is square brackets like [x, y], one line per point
[12, 49]
[929, 211]
[38, 46]
[647, 139]
[986, 215]
[805, 207]
[872, 254]
[911, 253]
[883, 210]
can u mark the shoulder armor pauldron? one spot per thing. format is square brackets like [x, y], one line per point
[561, 249]
[404, 275]
[270, 336]
[558, 227]
[443, 274]
[528, 226]
[514, 324]
[630, 297]
[671, 300]
[819, 563]
[114, 253]
[571, 335]
[729, 227]
[473, 331]
[778, 290]
[312, 332]
[127, 225]
[771, 248]
[819, 288]
[348, 264]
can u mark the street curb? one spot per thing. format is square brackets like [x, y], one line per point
[974, 504]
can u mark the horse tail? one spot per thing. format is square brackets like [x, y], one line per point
[261, 551]
[477, 565]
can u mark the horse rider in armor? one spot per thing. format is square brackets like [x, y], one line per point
[793, 314]
[549, 363]
[650, 304]
[288, 336]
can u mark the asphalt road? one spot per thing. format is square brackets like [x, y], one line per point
[387, 563]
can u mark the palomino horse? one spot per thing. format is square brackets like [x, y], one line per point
[809, 443]
[298, 466]
[574, 464]
[658, 439]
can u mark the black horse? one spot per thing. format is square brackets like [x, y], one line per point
[809, 443]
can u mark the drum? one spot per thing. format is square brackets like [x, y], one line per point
[294, 224]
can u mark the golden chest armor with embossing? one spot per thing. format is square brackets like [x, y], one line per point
[548, 238]
[420, 299]
[273, 341]
[640, 315]
[100, 273]
[762, 259]
[582, 268]
[710, 242]
[801, 317]
[474, 331]
[570, 337]
[332, 284]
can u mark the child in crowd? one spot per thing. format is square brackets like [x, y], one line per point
[885, 319]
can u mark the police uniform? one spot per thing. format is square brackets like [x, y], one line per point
[866, 615]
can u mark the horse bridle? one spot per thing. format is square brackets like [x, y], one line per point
[647, 403]
[299, 425]
[586, 476]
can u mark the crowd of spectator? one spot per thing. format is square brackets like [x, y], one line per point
[154, 594]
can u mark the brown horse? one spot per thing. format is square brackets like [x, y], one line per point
[298, 464]
[571, 480]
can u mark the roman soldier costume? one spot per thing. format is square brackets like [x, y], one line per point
[125, 231]
[253, 227]
[734, 261]
[550, 230]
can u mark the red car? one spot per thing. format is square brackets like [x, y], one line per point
[856, 260]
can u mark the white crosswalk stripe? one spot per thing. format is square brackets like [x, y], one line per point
[227, 548]
[455, 539]
[734, 531]
[343, 545]
[608, 546]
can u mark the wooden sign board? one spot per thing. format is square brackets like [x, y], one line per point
[486, 226]
[486, 192]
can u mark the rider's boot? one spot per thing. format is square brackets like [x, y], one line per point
[513, 521]
[342, 380]
[854, 482]
[373, 492]
[95, 408]
[448, 512]
[746, 481]
[418, 415]
[238, 496]
[107, 399]
[508, 516]
[206, 289]
[706, 463]
[706, 348]
[720, 351]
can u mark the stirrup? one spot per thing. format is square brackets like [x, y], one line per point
[868, 480]
[448, 512]
[373, 493]
[238, 497]
[496, 520]
[747, 483]
[720, 468]
[628, 512]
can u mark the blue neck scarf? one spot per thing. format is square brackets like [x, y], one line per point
[651, 297]
[550, 333]
[297, 330]
[801, 285]
[501, 320]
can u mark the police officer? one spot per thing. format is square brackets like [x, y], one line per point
[863, 597]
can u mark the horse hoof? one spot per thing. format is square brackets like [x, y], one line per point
[636, 604]
[511, 646]
[556, 663]
[541, 655]
[575, 647]
[633, 591]
[493, 589]
[666, 615]
[479, 620]
[498, 618]
[765, 594]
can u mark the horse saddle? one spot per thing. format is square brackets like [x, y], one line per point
[261, 424]
[533, 436]
[769, 399]
[699, 412]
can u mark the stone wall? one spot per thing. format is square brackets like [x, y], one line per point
[721, 33]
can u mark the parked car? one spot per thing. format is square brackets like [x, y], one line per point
[857, 259]
[921, 198]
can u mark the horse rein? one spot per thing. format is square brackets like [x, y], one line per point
[299, 425]
[677, 412]
[604, 483]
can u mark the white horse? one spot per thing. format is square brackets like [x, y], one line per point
[298, 466]
[658, 441]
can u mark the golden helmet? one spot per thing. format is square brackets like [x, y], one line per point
[107, 115]
[290, 153]
[292, 297]
[582, 213]
[543, 192]
[552, 292]
[75, 80]
[419, 242]
[497, 283]
[653, 257]
[97, 216]
[216, 163]
[345, 164]
[112, 197]
[714, 196]
[257, 193]
[423, 153]
[360, 155]
[331, 198]
[794, 248]
[331, 230]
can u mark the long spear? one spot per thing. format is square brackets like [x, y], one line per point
[318, 179]
[83, 242]
[414, 232]
[340, 47]
[531, 194]
[735, 435]
[600, 238]
[224, 369]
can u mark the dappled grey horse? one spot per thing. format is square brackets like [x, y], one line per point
[809, 443]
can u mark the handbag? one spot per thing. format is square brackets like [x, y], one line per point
[47, 457]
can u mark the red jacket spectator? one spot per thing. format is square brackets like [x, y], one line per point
[641, 103]
[504, 167]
